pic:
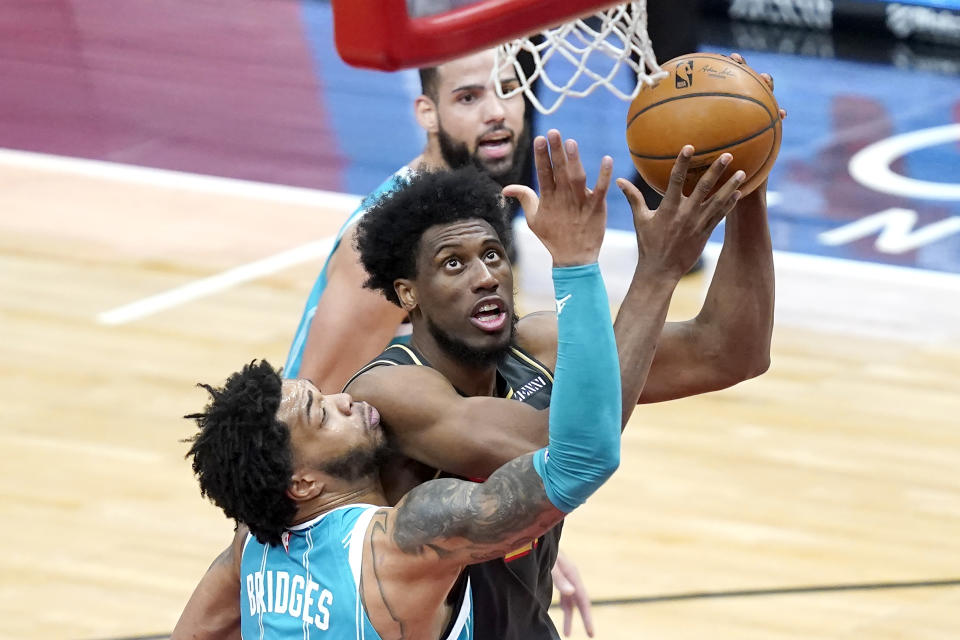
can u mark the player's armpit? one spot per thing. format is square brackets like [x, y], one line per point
[213, 611]
[430, 422]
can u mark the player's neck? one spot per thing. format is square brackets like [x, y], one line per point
[471, 380]
[431, 159]
[370, 493]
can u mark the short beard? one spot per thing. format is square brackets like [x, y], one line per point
[456, 155]
[358, 463]
[467, 355]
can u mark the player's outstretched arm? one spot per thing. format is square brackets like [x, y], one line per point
[729, 340]
[669, 241]
[436, 426]
[445, 524]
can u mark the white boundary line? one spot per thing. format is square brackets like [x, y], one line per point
[178, 180]
[215, 284]
[832, 269]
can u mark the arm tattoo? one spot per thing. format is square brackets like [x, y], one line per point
[378, 530]
[476, 521]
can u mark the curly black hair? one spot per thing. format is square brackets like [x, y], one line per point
[388, 235]
[241, 453]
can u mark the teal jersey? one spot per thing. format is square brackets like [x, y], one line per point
[292, 367]
[308, 587]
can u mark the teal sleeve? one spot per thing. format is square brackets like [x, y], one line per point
[584, 447]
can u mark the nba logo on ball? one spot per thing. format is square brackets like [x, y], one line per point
[717, 106]
[684, 75]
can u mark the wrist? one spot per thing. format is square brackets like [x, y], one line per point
[654, 276]
[574, 271]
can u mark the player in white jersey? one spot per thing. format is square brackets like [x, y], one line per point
[317, 553]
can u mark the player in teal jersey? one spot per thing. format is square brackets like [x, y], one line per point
[318, 554]
[466, 124]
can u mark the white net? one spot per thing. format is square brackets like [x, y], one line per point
[582, 55]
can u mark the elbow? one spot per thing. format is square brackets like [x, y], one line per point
[754, 362]
[608, 466]
[760, 366]
[741, 360]
[611, 467]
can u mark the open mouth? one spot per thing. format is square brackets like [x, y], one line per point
[490, 315]
[495, 145]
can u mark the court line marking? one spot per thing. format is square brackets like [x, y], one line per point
[832, 268]
[163, 178]
[166, 178]
[775, 591]
[734, 593]
[216, 283]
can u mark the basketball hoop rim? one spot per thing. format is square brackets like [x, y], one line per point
[427, 41]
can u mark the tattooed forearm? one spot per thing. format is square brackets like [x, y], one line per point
[476, 521]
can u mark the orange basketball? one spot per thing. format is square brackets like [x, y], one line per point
[713, 103]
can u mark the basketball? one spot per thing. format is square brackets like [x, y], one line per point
[714, 104]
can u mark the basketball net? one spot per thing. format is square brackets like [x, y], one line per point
[588, 52]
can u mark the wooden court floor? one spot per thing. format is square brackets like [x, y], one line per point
[821, 500]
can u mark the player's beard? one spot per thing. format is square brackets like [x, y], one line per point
[467, 355]
[360, 462]
[508, 171]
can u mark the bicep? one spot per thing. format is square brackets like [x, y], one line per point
[350, 327]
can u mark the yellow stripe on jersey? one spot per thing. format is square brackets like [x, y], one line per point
[522, 551]
[533, 363]
[409, 351]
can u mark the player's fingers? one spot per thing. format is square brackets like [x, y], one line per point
[527, 197]
[724, 207]
[736, 57]
[768, 79]
[578, 177]
[598, 195]
[709, 179]
[562, 583]
[541, 158]
[558, 156]
[637, 204]
[566, 603]
[586, 611]
[678, 176]
[723, 201]
[783, 113]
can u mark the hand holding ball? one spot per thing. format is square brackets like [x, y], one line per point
[714, 104]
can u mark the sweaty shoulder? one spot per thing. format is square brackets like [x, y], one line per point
[537, 335]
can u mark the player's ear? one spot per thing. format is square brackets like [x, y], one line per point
[425, 110]
[304, 486]
[407, 294]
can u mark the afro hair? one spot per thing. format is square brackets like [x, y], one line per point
[241, 453]
[388, 235]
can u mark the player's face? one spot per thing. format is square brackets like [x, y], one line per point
[475, 124]
[331, 432]
[464, 288]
